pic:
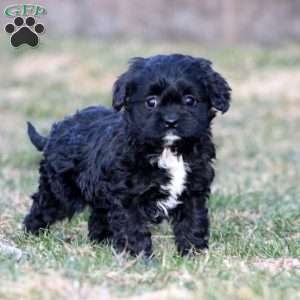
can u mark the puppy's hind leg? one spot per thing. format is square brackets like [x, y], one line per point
[99, 226]
[53, 202]
[42, 213]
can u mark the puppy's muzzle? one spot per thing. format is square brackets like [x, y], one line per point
[171, 121]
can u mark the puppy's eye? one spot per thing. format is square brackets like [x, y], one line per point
[189, 100]
[151, 102]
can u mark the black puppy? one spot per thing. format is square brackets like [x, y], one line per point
[151, 162]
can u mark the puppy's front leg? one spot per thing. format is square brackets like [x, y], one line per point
[130, 230]
[191, 225]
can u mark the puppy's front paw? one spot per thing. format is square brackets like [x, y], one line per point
[186, 247]
[151, 261]
[135, 246]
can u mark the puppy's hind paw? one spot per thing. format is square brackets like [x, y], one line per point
[33, 225]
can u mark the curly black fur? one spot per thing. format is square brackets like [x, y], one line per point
[109, 160]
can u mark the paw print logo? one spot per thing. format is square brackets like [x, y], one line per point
[24, 32]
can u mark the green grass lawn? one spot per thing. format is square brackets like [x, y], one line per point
[254, 207]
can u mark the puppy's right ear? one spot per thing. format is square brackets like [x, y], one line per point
[125, 85]
[120, 92]
[123, 88]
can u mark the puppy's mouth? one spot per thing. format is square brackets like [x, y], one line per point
[170, 138]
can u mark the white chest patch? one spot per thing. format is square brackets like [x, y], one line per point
[177, 170]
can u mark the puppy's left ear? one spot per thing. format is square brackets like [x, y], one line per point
[218, 90]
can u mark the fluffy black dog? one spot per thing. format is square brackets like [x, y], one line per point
[153, 161]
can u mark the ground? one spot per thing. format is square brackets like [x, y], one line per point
[255, 207]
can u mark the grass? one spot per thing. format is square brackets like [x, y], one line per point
[255, 207]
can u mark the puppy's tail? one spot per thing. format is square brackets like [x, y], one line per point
[36, 139]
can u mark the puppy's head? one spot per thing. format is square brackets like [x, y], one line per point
[169, 98]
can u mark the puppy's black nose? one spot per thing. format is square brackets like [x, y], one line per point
[171, 121]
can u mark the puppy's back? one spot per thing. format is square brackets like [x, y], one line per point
[69, 138]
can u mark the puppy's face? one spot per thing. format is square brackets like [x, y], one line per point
[170, 98]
